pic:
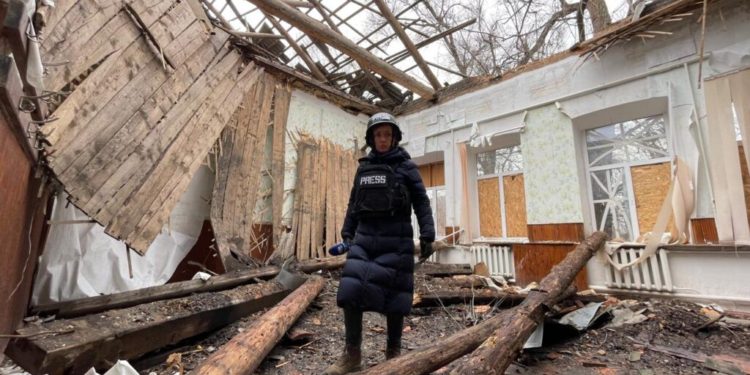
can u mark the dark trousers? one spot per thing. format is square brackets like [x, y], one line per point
[353, 326]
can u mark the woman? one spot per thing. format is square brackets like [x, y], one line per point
[379, 271]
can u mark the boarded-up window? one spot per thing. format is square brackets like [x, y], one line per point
[490, 219]
[502, 200]
[515, 205]
[433, 174]
[650, 187]
[433, 177]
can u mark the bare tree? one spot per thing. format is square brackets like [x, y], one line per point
[508, 33]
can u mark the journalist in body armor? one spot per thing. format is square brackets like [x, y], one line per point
[378, 236]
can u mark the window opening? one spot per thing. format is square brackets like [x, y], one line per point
[499, 163]
[611, 151]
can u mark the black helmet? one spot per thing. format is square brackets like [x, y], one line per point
[379, 119]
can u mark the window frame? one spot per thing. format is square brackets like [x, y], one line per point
[626, 167]
[499, 176]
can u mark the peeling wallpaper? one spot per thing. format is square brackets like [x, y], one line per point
[553, 193]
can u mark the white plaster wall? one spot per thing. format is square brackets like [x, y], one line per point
[320, 119]
[663, 67]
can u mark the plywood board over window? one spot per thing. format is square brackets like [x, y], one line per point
[515, 205]
[433, 174]
[650, 187]
[490, 220]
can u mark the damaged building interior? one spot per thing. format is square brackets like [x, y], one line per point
[173, 174]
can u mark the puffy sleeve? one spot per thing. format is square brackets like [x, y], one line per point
[350, 222]
[420, 202]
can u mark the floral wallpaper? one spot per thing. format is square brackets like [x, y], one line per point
[553, 192]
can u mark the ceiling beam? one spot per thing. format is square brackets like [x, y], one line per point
[388, 15]
[373, 81]
[297, 4]
[400, 55]
[300, 52]
[317, 30]
[306, 83]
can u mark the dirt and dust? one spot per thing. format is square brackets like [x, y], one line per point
[599, 350]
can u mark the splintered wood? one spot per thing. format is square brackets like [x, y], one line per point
[129, 138]
[238, 182]
[324, 178]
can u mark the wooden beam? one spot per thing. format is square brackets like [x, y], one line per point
[306, 83]
[96, 304]
[217, 14]
[554, 287]
[499, 350]
[400, 55]
[373, 81]
[90, 305]
[245, 34]
[297, 4]
[245, 351]
[315, 29]
[100, 339]
[436, 269]
[300, 52]
[388, 15]
[372, 32]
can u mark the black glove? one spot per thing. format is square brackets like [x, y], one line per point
[340, 248]
[425, 250]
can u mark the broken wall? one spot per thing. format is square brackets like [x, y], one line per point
[319, 119]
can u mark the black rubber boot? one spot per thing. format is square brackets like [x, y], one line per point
[392, 351]
[350, 361]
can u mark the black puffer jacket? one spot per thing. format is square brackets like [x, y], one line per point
[379, 270]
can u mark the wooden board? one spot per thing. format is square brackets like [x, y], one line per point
[490, 220]
[325, 173]
[237, 186]
[106, 171]
[432, 174]
[424, 172]
[437, 174]
[533, 261]
[650, 187]
[100, 339]
[515, 205]
[91, 30]
[571, 232]
[704, 231]
[280, 115]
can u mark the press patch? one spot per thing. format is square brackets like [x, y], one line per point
[372, 180]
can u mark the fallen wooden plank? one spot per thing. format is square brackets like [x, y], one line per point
[437, 269]
[476, 297]
[499, 350]
[245, 351]
[73, 308]
[100, 339]
[437, 355]
[280, 115]
[83, 306]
